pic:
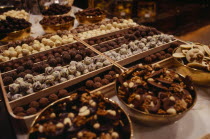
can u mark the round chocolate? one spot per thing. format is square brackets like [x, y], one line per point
[108, 77]
[34, 104]
[31, 111]
[97, 85]
[62, 93]
[43, 102]
[104, 81]
[170, 50]
[29, 64]
[18, 110]
[22, 74]
[53, 97]
[97, 79]
[78, 57]
[8, 80]
[112, 73]
[52, 62]
[89, 84]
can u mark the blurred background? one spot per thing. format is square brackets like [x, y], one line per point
[187, 19]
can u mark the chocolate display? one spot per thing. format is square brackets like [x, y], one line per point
[56, 20]
[21, 14]
[35, 106]
[194, 55]
[82, 116]
[11, 24]
[34, 83]
[90, 12]
[155, 90]
[56, 9]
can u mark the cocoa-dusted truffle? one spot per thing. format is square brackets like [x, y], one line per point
[158, 54]
[72, 53]
[112, 73]
[108, 77]
[34, 104]
[28, 71]
[22, 74]
[7, 80]
[53, 97]
[66, 57]
[167, 55]
[170, 50]
[153, 57]
[52, 62]
[43, 102]
[20, 69]
[21, 114]
[97, 85]
[97, 79]
[18, 110]
[62, 93]
[59, 60]
[31, 111]
[162, 52]
[78, 57]
[89, 84]
[104, 81]
[28, 64]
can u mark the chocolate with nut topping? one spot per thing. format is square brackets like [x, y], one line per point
[82, 115]
[155, 90]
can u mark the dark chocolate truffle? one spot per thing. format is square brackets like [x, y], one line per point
[20, 69]
[89, 84]
[162, 52]
[170, 50]
[21, 114]
[31, 111]
[28, 64]
[18, 110]
[52, 62]
[97, 85]
[43, 102]
[53, 97]
[158, 54]
[22, 74]
[34, 104]
[28, 71]
[153, 57]
[148, 59]
[66, 57]
[8, 80]
[72, 53]
[108, 77]
[78, 57]
[104, 81]
[62, 93]
[97, 79]
[112, 73]
[167, 55]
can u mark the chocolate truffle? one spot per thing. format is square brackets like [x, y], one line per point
[89, 84]
[104, 81]
[22, 74]
[43, 102]
[31, 111]
[97, 85]
[59, 60]
[167, 55]
[62, 93]
[153, 57]
[18, 110]
[78, 57]
[158, 54]
[28, 71]
[28, 64]
[66, 57]
[20, 69]
[162, 52]
[97, 79]
[112, 73]
[21, 114]
[53, 97]
[108, 77]
[170, 50]
[7, 80]
[72, 53]
[34, 104]
[52, 62]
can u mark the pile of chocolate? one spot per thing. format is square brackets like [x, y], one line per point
[56, 9]
[90, 12]
[82, 115]
[155, 90]
[49, 21]
[98, 81]
[34, 106]
[12, 24]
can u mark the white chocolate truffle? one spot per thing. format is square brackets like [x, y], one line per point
[17, 96]
[37, 86]
[25, 52]
[6, 53]
[99, 65]
[88, 60]
[91, 67]
[39, 78]
[19, 80]
[49, 79]
[14, 88]
[24, 86]
[72, 69]
[64, 72]
[78, 73]
[49, 70]
[29, 78]
[70, 77]
[80, 66]
[57, 75]
[63, 79]
[58, 68]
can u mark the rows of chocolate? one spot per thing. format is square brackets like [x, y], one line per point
[52, 21]
[11, 24]
[56, 9]
[194, 55]
[155, 90]
[52, 41]
[90, 12]
[90, 84]
[82, 115]
[21, 14]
